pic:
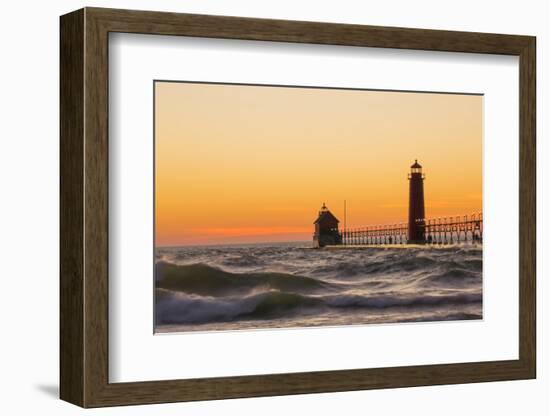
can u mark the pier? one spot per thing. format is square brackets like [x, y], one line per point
[417, 230]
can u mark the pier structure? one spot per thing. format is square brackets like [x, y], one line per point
[417, 230]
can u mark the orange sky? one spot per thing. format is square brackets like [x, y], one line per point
[239, 164]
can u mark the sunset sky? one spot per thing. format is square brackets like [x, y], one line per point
[240, 164]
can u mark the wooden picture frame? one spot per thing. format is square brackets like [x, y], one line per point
[84, 207]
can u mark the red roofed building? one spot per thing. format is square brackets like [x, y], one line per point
[326, 229]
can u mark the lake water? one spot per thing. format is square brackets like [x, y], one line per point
[292, 285]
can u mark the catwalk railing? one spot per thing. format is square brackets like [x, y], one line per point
[445, 230]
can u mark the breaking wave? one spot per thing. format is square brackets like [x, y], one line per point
[175, 308]
[202, 279]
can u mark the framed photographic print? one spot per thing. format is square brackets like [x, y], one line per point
[255, 207]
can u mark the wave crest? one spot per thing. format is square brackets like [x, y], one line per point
[201, 279]
[177, 308]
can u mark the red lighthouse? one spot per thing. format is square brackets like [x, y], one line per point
[416, 233]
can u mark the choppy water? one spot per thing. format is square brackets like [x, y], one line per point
[292, 285]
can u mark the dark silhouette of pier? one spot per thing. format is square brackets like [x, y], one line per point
[418, 229]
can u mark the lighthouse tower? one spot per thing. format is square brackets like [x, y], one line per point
[416, 233]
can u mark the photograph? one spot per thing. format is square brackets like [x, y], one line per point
[285, 206]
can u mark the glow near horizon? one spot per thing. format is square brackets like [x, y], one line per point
[242, 164]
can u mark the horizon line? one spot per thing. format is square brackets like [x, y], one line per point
[230, 244]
